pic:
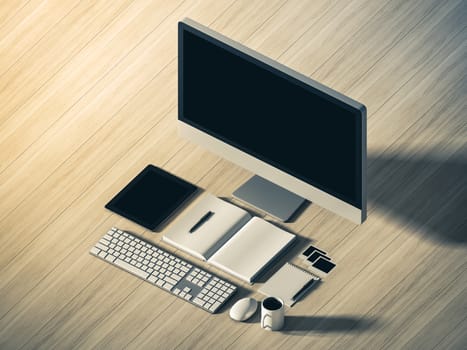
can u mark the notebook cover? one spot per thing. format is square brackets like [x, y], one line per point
[287, 282]
[251, 249]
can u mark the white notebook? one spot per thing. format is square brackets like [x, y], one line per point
[231, 239]
[288, 283]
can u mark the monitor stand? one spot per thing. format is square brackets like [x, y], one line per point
[269, 197]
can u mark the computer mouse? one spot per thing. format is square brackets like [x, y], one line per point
[243, 309]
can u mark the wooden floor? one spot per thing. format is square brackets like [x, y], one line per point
[88, 97]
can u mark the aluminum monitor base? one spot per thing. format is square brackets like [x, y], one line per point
[269, 197]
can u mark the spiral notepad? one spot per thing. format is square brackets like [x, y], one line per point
[288, 282]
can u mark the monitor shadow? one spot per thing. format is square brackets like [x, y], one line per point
[427, 192]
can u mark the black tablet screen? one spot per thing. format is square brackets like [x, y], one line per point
[151, 197]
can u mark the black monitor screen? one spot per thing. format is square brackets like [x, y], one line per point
[270, 115]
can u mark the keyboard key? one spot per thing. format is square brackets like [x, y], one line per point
[130, 268]
[198, 301]
[168, 286]
[214, 306]
[102, 247]
[170, 280]
[94, 251]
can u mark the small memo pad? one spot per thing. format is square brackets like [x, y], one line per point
[287, 282]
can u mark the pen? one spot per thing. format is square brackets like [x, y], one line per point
[302, 291]
[201, 221]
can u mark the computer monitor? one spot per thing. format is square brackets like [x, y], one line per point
[302, 139]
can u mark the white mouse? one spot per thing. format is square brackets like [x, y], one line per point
[243, 309]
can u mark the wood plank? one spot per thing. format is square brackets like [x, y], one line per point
[346, 66]
[438, 317]
[13, 12]
[96, 59]
[32, 21]
[407, 301]
[455, 339]
[29, 73]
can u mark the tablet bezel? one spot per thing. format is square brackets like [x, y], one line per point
[190, 191]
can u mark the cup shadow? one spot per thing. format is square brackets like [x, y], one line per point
[299, 325]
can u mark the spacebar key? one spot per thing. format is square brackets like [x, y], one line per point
[124, 265]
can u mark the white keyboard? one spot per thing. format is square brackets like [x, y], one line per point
[163, 269]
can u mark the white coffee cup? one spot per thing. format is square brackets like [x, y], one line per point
[272, 314]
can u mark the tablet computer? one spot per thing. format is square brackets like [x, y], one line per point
[152, 197]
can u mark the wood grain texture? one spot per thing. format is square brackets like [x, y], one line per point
[89, 97]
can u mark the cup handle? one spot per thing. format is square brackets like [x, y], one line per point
[262, 322]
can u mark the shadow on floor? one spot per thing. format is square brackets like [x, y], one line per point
[299, 325]
[427, 192]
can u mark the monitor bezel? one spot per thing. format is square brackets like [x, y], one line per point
[257, 165]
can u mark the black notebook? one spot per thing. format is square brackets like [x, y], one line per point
[151, 197]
